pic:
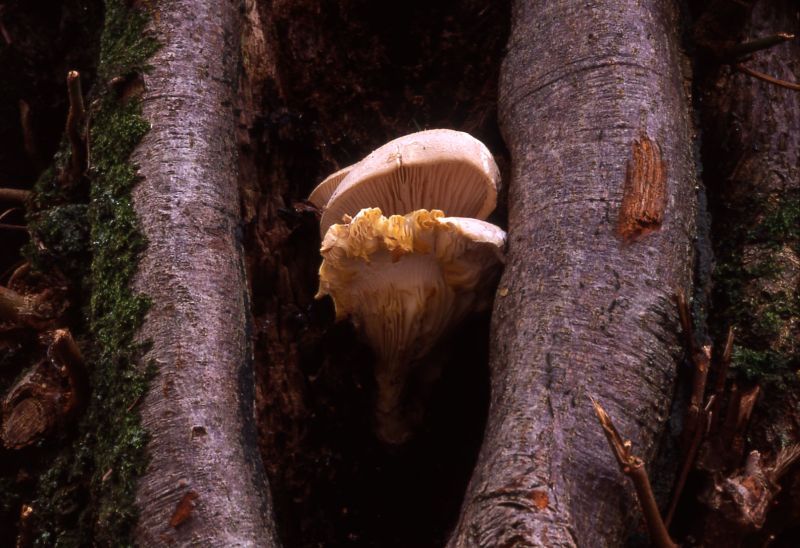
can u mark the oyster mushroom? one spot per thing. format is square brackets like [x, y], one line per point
[435, 169]
[404, 281]
[323, 191]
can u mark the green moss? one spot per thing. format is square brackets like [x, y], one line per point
[87, 496]
[750, 294]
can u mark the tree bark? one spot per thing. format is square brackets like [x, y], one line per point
[593, 108]
[204, 484]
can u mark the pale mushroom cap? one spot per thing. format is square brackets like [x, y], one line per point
[404, 280]
[437, 169]
[323, 191]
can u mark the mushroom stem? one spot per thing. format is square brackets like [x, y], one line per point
[391, 423]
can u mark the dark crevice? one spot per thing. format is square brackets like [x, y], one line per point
[344, 79]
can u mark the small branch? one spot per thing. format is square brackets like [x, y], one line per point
[66, 356]
[785, 459]
[767, 78]
[688, 462]
[702, 362]
[701, 358]
[3, 31]
[721, 375]
[633, 467]
[740, 408]
[686, 320]
[25, 529]
[751, 46]
[28, 135]
[18, 272]
[74, 129]
[15, 195]
[16, 228]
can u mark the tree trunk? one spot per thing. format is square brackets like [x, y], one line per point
[205, 483]
[596, 254]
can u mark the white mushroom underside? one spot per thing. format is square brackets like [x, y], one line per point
[404, 280]
[407, 305]
[453, 187]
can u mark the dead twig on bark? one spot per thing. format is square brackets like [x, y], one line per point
[633, 467]
[75, 126]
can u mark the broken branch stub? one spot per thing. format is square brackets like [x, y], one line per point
[48, 396]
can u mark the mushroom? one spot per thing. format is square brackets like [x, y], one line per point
[323, 191]
[404, 281]
[435, 169]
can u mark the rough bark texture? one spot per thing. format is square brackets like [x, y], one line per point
[204, 484]
[579, 312]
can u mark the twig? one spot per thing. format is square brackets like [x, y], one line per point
[701, 358]
[20, 228]
[66, 356]
[785, 459]
[751, 46]
[767, 78]
[721, 374]
[28, 135]
[686, 320]
[15, 195]
[6, 36]
[74, 129]
[740, 408]
[18, 272]
[25, 534]
[686, 466]
[633, 467]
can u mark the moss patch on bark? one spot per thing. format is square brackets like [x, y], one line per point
[87, 496]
